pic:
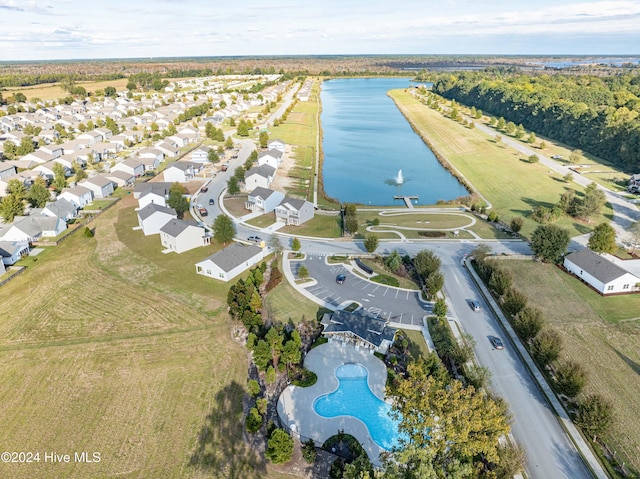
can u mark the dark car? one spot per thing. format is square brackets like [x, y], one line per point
[255, 239]
[340, 278]
[496, 342]
[474, 305]
[204, 189]
[211, 202]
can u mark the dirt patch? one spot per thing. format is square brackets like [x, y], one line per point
[282, 181]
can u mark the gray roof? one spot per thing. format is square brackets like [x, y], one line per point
[181, 165]
[9, 248]
[294, 203]
[98, 180]
[158, 187]
[262, 170]
[367, 327]
[272, 152]
[261, 192]
[233, 256]
[597, 266]
[61, 208]
[175, 227]
[78, 190]
[152, 208]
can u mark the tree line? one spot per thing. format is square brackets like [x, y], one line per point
[599, 115]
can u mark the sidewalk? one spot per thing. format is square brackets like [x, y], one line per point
[572, 431]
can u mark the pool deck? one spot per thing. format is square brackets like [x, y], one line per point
[295, 405]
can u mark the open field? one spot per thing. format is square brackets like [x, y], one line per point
[512, 185]
[110, 346]
[602, 334]
[320, 226]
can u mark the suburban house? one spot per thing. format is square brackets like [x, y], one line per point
[131, 166]
[201, 154]
[229, 262]
[79, 196]
[263, 199]
[359, 327]
[277, 144]
[152, 192]
[151, 153]
[294, 211]
[259, 176]
[100, 185]
[121, 178]
[180, 171]
[271, 158]
[12, 251]
[180, 236]
[153, 217]
[7, 171]
[61, 208]
[150, 163]
[169, 149]
[600, 273]
[47, 170]
[28, 229]
[38, 156]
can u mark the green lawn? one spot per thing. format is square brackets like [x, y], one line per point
[320, 226]
[513, 186]
[380, 270]
[286, 305]
[417, 345]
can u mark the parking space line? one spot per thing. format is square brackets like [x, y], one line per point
[385, 292]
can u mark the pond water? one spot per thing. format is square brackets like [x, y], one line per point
[371, 153]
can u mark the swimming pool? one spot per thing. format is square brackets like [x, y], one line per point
[354, 398]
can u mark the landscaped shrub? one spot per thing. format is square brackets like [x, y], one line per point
[88, 233]
[500, 281]
[384, 279]
[306, 378]
[279, 447]
[514, 301]
[309, 452]
[546, 346]
[493, 217]
[570, 378]
[528, 322]
[275, 279]
[254, 421]
[432, 234]
[253, 387]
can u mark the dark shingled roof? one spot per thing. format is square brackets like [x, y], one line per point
[362, 324]
[152, 208]
[597, 266]
[175, 227]
[262, 170]
[233, 255]
[261, 192]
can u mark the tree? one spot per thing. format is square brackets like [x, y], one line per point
[176, 199]
[546, 346]
[295, 244]
[516, 224]
[264, 139]
[279, 447]
[500, 281]
[109, 91]
[543, 145]
[393, 262]
[112, 125]
[568, 178]
[232, 186]
[371, 243]
[303, 272]
[591, 204]
[512, 461]
[275, 340]
[254, 421]
[26, 146]
[595, 415]
[79, 172]
[60, 177]
[570, 378]
[532, 139]
[309, 452]
[433, 417]
[16, 187]
[291, 353]
[38, 194]
[426, 262]
[549, 242]
[242, 129]
[253, 388]
[514, 301]
[351, 224]
[603, 239]
[10, 150]
[228, 144]
[528, 322]
[575, 156]
[213, 156]
[261, 355]
[440, 308]
[10, 207]
[223, 229]
[434, 282]
[533, 158]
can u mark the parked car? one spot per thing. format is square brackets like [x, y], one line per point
[211, 202]
[255, 239]
[474, 305]
[496, 342]
[204, 189]
[340, 278]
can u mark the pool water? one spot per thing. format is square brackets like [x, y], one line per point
[354, 398]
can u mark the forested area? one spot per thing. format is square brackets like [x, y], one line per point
[596, 114]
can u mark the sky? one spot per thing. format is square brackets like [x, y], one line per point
[80, 29]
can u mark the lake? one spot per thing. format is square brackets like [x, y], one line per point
[367, 141]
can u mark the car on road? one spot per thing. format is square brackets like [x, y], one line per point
[475, 305]
[211, 202]
[340, 278]
[255, 239]
[204, 189]
[496, 342]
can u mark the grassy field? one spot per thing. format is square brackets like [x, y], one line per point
[321, 226]
[602, 334]
[110, 346]
[512, 185]
[53, 91]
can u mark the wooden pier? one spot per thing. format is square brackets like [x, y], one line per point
[406, 199]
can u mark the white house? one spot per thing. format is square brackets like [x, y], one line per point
[131, 166]
[277, 144]
[201, 154]
[294, 211]
[169, 149]
[180, 236]
[79, 196]
[229, 262]
[600, 273]
[180, 171]
[259, 176]
[46, 169]
[151, 153]
[6, 171]
[153, 217]
[101, 186]
[121, 178]
[271, 158]
[12, 251]
[150, 163]
[263, 199]
[61, 208]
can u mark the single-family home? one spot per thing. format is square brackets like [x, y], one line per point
[229, 262]
[601, 274]
[52, 149]
[38, 156]
[276, 144]
[150, 153]
[180, 171]
[61, 208]
[91, 137]
[263, 199]
[100, 185]
[152, 197]
[169, 149]
[201, 154]
[79, 196]
[12, 251]
[259, 176]
[153, 217]
[121, 178]
[271, 158]
[131, 165]
[47, 170]
[359, 327]
[179, 236]
[294, 211]
[22, 229]
[150, 163]
[7, 171]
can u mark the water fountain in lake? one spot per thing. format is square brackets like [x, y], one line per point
[399, 178]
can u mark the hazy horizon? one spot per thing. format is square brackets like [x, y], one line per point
[81, 30]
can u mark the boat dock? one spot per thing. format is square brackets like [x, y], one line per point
[407, 200]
